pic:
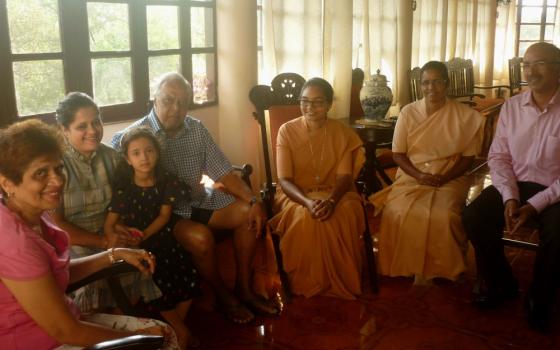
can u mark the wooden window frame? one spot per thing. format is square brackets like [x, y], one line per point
[76, 56]
[543, 23]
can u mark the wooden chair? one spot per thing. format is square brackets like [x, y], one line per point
[281, 101]
[513, 242]
[111, 274]
[415, 78]
[526, 240]
[461, 76]
[516, 82]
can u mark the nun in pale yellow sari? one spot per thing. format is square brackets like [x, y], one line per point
[434, 144]
[318, 212]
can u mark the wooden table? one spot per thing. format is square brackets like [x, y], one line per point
[374, 137]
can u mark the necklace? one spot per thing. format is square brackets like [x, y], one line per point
[316, 167]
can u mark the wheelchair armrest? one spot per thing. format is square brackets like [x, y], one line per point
[113, 270]
[135, 342]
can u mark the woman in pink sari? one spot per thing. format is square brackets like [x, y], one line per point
[434, 144]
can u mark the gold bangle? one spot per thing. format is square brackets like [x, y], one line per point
[112, 256]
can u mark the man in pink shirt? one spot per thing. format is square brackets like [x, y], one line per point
[524, 163]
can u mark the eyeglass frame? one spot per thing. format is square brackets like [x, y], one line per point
[433, 82]
[311, 103]
[168, 101]
[540, 63]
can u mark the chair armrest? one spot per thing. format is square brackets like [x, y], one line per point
[471, 96]
[492, 87]
[113, 270]
[135, 342]
[498, 87]
[246, 170]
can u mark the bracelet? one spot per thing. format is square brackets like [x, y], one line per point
[332, 201]
[112, 256]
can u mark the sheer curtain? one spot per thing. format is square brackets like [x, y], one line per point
[311, 38]
[445, 29]
[328, 38]
[375, 39]
[505, 42]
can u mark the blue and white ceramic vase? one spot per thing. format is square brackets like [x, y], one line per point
[376, 97]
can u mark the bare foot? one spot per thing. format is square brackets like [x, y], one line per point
[232, 309]
[259, 304]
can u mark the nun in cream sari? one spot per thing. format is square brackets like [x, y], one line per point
[434, 144]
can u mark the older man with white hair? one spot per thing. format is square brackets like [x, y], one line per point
[189, 151]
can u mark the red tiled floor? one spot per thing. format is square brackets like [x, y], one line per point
[401, 316]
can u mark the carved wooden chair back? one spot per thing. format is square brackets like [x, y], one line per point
[415, 78]
[461, 78]
[516, 82]
[282, 95]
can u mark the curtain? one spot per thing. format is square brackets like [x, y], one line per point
[311, 38]
[444, 29]
[375, 39]
[505, 42]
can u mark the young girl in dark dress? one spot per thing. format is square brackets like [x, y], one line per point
[143, 199]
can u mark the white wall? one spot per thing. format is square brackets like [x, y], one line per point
[237, 74]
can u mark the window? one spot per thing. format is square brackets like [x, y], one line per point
[535, 22]
[113, 50]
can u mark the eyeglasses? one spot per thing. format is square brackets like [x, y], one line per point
[314, 103]
[537, 64]
[170, 101]
[435, 82]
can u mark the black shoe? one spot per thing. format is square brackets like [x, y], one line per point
[538, 315]
[491, 298]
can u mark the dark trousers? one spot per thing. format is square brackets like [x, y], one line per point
[484, 222]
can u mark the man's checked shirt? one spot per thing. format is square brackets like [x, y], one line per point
[189, 155]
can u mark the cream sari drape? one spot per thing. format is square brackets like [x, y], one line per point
[320, 257]
[421, 231]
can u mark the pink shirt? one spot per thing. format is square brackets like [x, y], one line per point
[526, 147]
[25, 256]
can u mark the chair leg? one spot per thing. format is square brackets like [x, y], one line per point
[120, 297]
[283, 275]
[370, 257]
